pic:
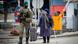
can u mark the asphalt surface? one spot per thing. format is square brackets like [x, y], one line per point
[63, 40]
[8, 39]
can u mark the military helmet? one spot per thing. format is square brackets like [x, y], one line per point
[25, 4]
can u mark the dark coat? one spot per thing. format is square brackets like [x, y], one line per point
[43, 30]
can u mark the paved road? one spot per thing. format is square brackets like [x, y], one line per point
[62, 40]
[14, 39]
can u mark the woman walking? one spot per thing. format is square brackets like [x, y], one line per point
[44, 26]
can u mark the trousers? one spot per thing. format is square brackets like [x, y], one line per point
[25, 27]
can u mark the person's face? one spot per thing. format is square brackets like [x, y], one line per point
[25, 6]
[57, 13]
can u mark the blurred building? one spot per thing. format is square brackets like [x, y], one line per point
[72, 15]
[56, 5]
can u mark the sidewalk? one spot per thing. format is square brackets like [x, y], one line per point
[66, 34]
[7, 35]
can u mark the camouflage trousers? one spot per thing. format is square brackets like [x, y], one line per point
[25, 27]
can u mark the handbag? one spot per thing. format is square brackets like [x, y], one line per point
[46, 22]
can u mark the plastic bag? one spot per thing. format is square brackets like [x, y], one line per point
[38, 30]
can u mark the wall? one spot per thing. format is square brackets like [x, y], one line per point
[76, 18]
[69, 17]
[53, 9]
[56, 5]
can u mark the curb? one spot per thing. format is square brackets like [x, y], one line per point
[70, 34]
[59, 36]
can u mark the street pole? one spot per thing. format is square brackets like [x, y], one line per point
[38, 10]
[5, 11]
[19, 3]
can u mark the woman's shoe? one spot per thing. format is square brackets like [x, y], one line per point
[47, 41]
[44, 42]
[27, 43]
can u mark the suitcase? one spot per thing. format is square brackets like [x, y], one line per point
[33, 34]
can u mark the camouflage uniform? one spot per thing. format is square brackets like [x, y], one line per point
[25, 19]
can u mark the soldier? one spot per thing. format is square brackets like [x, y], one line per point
[25, 20]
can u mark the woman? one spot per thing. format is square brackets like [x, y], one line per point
[44, 30]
